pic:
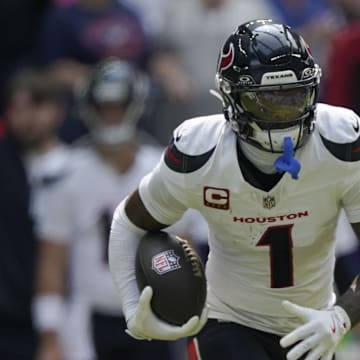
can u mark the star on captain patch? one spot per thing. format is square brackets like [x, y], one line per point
[269, 202]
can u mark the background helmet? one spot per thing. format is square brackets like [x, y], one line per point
[268, 82]
[113, 81]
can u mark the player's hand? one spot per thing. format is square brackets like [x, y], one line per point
[320, 334]
[144, 325]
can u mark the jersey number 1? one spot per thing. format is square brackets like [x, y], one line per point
[280, 243]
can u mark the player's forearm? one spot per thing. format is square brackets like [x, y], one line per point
[48, 302]
[123, 244]
[350, 301]
[51, 268]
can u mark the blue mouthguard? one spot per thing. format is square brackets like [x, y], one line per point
[287, 162]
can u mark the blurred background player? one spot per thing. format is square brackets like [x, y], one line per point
[33, 111]
[74, 225]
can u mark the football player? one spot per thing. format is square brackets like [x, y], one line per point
[31, 157]
[270, 176]
[78, 316]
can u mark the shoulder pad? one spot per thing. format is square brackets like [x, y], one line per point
[339, 130]
[193, 143]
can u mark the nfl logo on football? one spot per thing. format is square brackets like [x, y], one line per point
[165, 261]
[269, 202]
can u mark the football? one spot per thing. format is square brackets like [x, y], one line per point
[176, 274]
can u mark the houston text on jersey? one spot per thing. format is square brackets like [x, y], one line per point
[271, 219]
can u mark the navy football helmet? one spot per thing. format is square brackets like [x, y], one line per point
[121, 88]
[268, 82]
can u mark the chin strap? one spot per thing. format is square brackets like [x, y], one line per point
[287, 162]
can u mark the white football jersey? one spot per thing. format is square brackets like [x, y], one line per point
[78, 211]
[44, 170]
[265, 246]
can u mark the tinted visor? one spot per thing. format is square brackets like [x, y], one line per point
[277, 105]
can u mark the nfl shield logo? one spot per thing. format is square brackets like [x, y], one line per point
[269, 202]
[165, 261]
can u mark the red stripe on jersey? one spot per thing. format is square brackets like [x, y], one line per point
[172, 156]
[193, 350]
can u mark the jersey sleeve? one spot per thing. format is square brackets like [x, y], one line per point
[53, 214]
[163, 194]
[168, 189]
[339, 130]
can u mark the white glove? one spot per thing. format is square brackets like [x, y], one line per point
[144, 325]
[320, 334]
